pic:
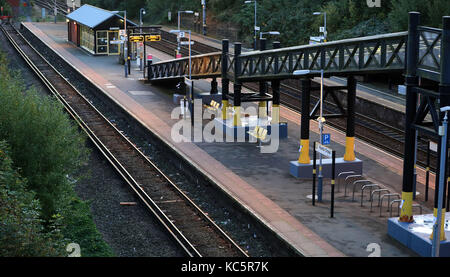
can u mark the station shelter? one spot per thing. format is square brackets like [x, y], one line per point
[96, 30]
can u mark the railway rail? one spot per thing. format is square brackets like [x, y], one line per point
[187, 224]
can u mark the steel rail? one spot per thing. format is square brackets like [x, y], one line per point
[175, 233]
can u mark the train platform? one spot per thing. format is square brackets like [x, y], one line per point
[260, 182]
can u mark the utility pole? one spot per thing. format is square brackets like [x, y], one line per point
[204, 16]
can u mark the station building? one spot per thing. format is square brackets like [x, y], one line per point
[96, 30]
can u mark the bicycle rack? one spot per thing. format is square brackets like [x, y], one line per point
[354, 186]
[380, 200]
[372, 194]
[398, 207]
[418, 206]
[371, 186]
[346, 182]
[340, 177]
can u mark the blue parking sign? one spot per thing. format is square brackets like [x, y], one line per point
[326, 139]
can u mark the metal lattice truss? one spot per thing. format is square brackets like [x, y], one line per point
[374, 54]
[369, 54]
[429, 53]
[428, 106]
[203, 66]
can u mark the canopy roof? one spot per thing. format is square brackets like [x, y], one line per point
[91, 16]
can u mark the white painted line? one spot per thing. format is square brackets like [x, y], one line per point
[141, 93]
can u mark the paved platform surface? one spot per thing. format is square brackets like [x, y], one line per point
[260, 182]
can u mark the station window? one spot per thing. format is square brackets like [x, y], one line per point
[87, 38]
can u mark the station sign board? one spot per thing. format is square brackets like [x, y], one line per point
[186, 43]
[188, 82]
[326, 139]
[136, 38]
[324, 150]
[152, 37]
[433, 146]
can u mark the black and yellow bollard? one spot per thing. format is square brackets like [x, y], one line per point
[304, 127]
[225, 80]
[350, 133]
[411, 81]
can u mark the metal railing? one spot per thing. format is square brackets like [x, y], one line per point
[203, 66]
[374, 53]
[429, 65]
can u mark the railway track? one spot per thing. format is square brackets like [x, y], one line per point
[186, 223]
[50, 5]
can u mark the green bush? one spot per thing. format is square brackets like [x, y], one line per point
[49, 151]
[45, 144]
[22, 231]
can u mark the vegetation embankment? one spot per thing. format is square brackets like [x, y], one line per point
[42, 154]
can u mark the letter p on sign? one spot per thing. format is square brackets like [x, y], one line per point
[374, 3]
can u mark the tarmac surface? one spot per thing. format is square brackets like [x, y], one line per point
[259, 181]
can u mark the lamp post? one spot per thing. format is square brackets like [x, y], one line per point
[324, 24]
[179, 23]
[141, 12]
[321, 121]
[256, 27]
[141, 57]
[443, 130]
[125, 45]
[191, 97]
[204, 16]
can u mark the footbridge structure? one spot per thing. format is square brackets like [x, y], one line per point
[421, 53]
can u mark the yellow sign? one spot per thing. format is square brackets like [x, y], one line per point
[136, 38]
[153, 38]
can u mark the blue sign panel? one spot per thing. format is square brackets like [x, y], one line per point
[326, 139]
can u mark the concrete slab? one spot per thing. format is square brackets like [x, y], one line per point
[305, 170]
[240, 133]
[416, 236]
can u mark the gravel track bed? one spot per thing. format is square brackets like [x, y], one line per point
[239, 224]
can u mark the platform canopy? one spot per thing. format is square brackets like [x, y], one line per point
[92, 17]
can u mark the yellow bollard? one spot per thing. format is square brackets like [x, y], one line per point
[224, 110]
[237, 116]
[442, 235]
[304, 152]
[406, 211]
[275, 114]
[262, 112]
[349, 155]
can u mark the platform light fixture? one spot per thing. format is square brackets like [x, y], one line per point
[324, 24]
[125, 45]
[179, 23]
[141, 12]
[272, 33]
[256, 27]
[321, 121]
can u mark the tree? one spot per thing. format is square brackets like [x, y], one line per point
[22, 231]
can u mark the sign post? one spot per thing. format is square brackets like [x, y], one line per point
[314, 176]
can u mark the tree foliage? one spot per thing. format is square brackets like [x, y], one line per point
[294, 19]
[22, 231]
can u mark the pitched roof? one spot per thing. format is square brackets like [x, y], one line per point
[91, 16]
